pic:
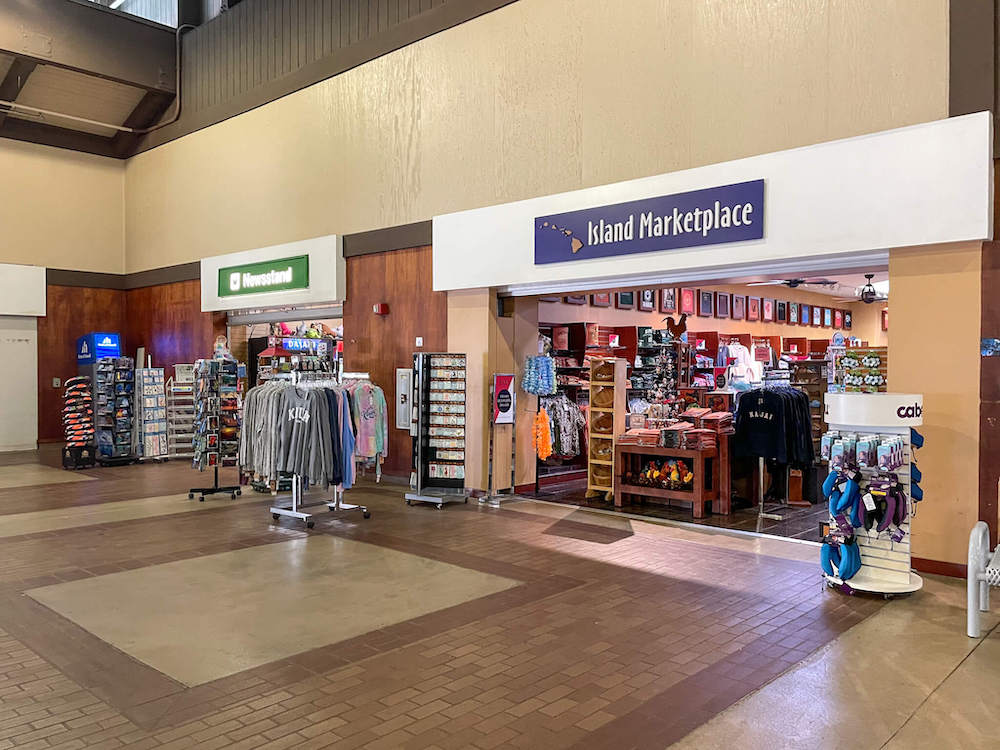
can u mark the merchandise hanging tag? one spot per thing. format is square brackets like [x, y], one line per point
[869, 501]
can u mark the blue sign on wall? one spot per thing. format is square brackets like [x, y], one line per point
[712, 216]
[92, 346]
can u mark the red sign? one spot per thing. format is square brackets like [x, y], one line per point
[503, 398]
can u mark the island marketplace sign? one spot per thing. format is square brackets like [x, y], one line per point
[711, 216]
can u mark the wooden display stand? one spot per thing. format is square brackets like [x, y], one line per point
[601, 453]
[629, 458]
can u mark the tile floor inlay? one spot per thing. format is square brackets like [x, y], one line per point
[32, 474]
[201, 619]
[34, 522]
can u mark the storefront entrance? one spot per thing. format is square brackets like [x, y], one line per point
[736, 336]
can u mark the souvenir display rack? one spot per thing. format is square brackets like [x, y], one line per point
[607, 421]
[886, 565]
[217, 421]
[438, 429]
[78, 423]
[180, 415]
[151, 414]
[113, 382]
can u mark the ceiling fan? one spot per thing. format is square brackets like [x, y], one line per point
[867, 293]
[794, 283]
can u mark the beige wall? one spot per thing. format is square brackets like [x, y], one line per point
[866, 324]
[472, 331]
[538, 97]
[935, 330]
[61, 209]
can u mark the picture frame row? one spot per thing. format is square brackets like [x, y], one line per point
[706, 303]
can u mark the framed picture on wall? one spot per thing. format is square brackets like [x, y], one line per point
[767, 310]
[647, 300]
[838, 319]
[624, 300]
[602, 299]
[706, 303]
[668, 300]
[817, 315]
[722, 304]
[687, 301]
[805, 315]
[885, 319]
[827, 317]
[793, 313]
[781, 311]
[848, 320]
[753, 308]
[575, 299]
[739, 311]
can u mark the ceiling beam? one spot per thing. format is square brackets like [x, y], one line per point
[90, 39]
[13, 82]
[49, 135]
[147, 113]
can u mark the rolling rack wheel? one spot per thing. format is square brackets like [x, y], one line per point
[190, 496]
[366, 514]
[310, 524]
[239, 492]
[201, 499]
[275, 516]
[409, 502]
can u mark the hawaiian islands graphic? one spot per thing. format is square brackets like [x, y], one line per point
[574, 242]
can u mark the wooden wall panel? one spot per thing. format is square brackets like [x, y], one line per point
[378, 344]
[70, 312]
[167, 320]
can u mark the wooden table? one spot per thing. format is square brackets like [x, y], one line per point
[718, 491]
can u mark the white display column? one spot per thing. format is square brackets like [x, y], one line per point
[885, 563]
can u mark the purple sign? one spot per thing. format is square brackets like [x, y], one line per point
[713, 216]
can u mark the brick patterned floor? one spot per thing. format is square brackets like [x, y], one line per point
[613, 640]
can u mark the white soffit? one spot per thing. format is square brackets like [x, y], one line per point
[327, 280]
[22, 290]
[842, 203]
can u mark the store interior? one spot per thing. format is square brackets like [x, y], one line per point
[688, 353]
[275, 345]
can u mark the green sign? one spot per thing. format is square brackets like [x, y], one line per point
[266, 276]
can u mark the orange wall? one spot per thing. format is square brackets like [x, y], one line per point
[867, 318]
[936, 306]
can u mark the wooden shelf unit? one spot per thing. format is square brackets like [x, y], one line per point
[603, 443]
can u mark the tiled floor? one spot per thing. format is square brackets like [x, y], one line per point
[798, 522]
[529, 626]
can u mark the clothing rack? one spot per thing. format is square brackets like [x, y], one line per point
[298, 482]
[344, 377]
[294, 510]
[318, 380]
[772, 379]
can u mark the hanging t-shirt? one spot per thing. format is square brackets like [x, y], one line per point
[761, 423]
